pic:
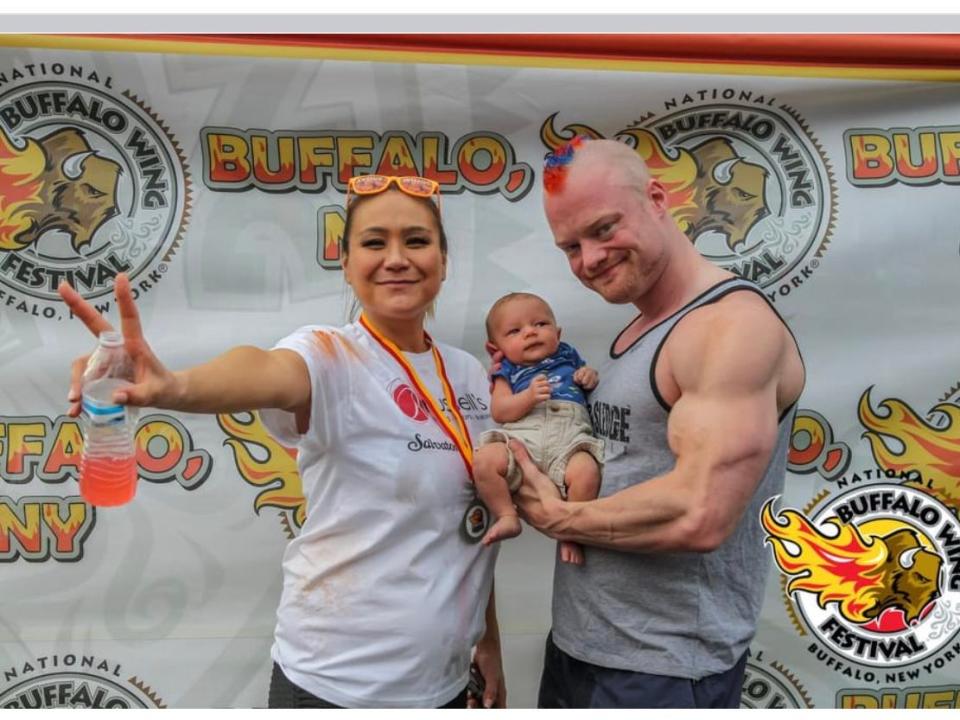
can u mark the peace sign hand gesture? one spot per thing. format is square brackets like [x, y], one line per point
[154, 385]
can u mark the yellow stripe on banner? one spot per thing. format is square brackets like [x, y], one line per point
[187, 47]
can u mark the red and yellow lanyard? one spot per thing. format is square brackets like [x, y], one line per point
[459, 435]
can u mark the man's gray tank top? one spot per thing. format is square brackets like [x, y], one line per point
[682, 614]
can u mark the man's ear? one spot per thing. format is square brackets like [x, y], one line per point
[657, 195]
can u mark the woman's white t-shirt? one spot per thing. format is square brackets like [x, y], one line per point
[382, 597]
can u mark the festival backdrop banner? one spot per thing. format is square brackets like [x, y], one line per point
[215, 174]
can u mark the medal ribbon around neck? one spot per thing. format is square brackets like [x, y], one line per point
[460, 435]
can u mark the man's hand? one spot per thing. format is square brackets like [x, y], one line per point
[538, 499]
[722, 429]
[496, 357]
[586, 377]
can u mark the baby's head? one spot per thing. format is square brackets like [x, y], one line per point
[523, 328]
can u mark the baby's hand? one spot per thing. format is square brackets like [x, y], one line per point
[540, 388]
[586, 377]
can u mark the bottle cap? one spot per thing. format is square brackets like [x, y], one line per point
[111, 338]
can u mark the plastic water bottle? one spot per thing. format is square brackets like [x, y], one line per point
[108, 468]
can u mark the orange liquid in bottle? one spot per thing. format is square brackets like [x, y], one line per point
[108, 481]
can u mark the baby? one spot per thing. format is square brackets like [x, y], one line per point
[537, 399]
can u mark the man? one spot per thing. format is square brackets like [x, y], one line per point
[696, 408]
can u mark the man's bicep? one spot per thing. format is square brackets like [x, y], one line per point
[716, 428]
[727, 375]
[737, 350]
[723, 442]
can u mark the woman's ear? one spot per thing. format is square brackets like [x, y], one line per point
[443, 268]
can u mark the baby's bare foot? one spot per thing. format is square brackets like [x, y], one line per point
[571, 552]
[506, 526]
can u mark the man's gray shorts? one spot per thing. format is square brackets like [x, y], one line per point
[570, 683]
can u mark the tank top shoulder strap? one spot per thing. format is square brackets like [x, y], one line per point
[712, 295]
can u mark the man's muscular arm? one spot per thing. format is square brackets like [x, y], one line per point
[726, 367]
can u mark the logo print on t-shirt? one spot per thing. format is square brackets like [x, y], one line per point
[409, 401]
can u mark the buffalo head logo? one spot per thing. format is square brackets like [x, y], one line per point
[909, 579]
[55, 183]
[864, 575]
[729, 194]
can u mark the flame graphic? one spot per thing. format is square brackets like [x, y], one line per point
[678, 174]
[277, 472]
[847, 568]
[20, 184]
[933, 453]
[553, 138]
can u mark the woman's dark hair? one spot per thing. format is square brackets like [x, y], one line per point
[359, 199]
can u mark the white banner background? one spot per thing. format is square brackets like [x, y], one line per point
[177, 591]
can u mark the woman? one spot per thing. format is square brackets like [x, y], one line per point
[382, 597]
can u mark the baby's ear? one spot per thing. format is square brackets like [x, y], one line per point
[491, 348]
[559, 331]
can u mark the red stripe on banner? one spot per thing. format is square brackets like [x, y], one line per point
[866, 50]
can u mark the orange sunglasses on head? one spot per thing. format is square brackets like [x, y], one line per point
[420, 187]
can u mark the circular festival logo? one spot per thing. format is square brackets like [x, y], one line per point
[746, 180]
[91, 184]
[874, 574]
[770, 686]
[74, 681]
